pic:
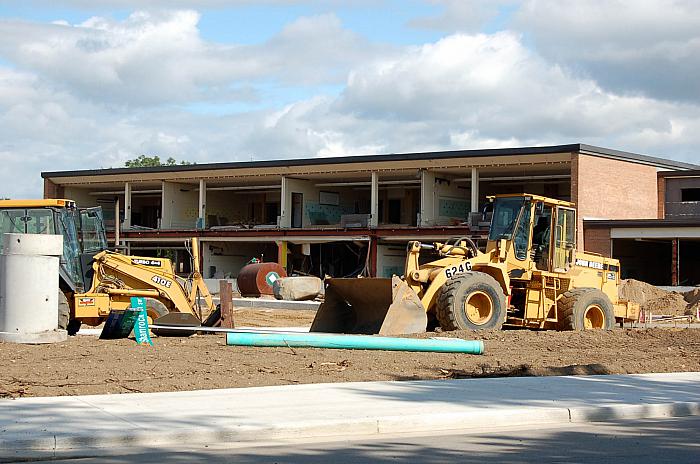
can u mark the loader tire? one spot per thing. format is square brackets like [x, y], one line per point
[472, 301]
[585, 309]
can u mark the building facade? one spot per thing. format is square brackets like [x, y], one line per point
[351, 215]
[662, 251]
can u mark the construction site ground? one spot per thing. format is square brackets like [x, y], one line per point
[86, 365]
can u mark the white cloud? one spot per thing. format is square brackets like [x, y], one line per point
[154, 58]
[647, 47]
[96, 94]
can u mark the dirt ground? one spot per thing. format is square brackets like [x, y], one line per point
[273, 317]
[86, 365]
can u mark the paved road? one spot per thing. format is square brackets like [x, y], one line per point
[40, 427]
[639, 442]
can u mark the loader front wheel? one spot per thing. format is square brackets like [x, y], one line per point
[472, 301]
[585, 309]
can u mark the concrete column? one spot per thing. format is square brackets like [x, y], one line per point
[117, 222]
[474, 186]
[127, 205]
[203, 203]
[373, 256]
[165, 207]
[427, 198]
[285, 205]
[374, 199]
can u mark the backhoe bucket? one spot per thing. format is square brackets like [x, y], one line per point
[370, 306]
[176, 319]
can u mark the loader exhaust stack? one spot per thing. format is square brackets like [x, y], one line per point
[370, 306]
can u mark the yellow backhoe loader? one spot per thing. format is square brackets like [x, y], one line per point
[530, 276]
[94, 281]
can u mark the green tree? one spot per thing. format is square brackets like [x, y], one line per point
[143, 161]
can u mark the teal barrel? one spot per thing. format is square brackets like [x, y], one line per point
[355, 342]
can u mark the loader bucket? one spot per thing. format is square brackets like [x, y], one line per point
[370, 306]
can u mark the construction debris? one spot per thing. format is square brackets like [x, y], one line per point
[297, 288]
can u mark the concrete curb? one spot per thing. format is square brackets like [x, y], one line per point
[28, 442]
[91, 446]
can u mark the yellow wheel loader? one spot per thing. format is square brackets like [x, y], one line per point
[530, 276]
[94, 281]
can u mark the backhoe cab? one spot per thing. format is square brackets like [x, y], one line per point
[531, 275]
[94, 281]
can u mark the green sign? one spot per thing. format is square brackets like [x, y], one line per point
[141, 324]
[271, 278]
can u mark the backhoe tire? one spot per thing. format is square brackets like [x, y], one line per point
[472, 301]
[72, 326]
[585, 309]
[63, 311]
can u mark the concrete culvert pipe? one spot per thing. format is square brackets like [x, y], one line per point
[29, 289]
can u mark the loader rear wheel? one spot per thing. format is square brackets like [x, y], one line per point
[472, 301]
[585, 309]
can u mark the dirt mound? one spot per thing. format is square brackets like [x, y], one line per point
[656, 300]
[672, 303]
[639, 292]
[692, 297]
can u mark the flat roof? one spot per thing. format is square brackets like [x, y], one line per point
[688, 173]
[433, 155]
[637, 223]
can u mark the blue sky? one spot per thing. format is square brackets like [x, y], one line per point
[93, 83]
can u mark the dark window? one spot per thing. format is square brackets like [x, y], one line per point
[271, 213]
[690, 194]
[297, 210]
[394, 211]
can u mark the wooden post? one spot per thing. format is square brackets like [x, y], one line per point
[226, 299]
[674, 262]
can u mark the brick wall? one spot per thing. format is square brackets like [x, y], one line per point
[661, 197]
[612, 189]
[597, 240]
[52, 190]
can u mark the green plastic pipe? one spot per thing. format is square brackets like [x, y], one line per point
[355, 342]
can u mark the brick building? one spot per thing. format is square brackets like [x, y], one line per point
[342, 216]
[662, 251]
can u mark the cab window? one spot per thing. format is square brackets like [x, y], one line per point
[521, 239]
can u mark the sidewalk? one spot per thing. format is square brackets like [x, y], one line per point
[81, 425]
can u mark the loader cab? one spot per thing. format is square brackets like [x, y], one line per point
[538, 232]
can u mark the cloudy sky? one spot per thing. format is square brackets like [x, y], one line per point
[93, 83]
